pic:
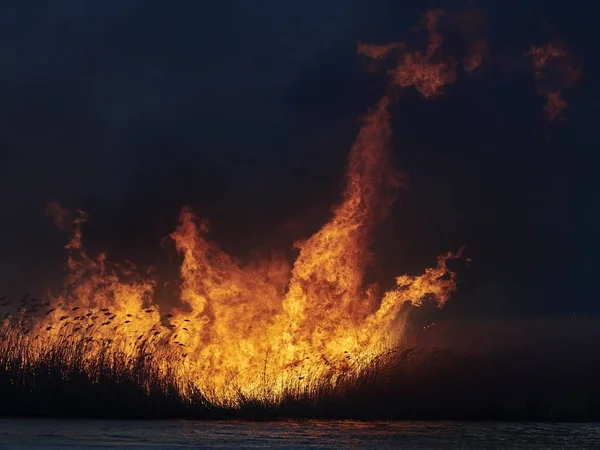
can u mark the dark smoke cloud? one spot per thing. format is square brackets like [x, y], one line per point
[130, 109]
[245, 111]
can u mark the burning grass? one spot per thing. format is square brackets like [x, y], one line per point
[418, 381]
[61, 380]
[241, 328]
[265, 338]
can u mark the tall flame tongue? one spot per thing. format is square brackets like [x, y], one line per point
[245, 320]
[264, 325]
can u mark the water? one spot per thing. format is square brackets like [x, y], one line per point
[84, 434]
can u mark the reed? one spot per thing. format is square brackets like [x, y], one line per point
[405, 383]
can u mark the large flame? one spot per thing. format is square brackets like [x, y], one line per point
[264, 324]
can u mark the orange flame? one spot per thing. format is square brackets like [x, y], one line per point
[430, 70]
[241, 327]
[554, 70]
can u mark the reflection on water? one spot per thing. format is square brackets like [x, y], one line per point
[32, 433]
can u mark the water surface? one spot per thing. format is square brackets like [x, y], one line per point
[98, 434]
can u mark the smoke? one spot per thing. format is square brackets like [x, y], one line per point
[58, 214]
[160, 126]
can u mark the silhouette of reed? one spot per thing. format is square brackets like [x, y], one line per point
[547, 381]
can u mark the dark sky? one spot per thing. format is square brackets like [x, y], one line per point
[245, 110]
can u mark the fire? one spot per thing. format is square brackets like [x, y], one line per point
[265, 324]
[430, 70]
[554, 69]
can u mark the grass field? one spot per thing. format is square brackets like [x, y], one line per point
[451, 372]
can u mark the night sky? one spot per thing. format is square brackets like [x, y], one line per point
[246, 110]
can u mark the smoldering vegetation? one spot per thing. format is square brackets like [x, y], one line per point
[512, 369]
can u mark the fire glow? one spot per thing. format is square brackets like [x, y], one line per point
[259, 328]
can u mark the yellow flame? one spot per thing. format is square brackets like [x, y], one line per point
[243, 327]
